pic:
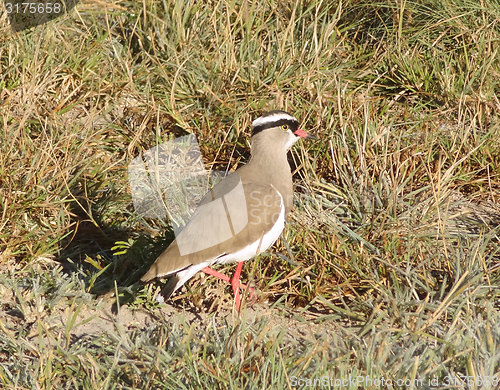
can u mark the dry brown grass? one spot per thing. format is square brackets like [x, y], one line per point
[392, 251]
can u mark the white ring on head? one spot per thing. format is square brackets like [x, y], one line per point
[272, 118]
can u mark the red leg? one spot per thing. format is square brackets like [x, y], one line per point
[210, 271]
[235, 282]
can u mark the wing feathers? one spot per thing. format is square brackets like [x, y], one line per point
[251, 211]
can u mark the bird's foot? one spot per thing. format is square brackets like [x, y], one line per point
[235, 283]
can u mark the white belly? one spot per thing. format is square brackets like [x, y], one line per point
[257, 247]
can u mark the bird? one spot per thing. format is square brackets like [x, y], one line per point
[241, 216]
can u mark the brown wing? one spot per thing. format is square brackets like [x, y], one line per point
[230, 217]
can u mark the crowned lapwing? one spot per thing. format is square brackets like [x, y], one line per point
[241, 216]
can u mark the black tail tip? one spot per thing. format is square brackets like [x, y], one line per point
[169, 287]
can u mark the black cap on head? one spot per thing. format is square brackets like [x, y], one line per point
[275, 118]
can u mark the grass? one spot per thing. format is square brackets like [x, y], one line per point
[389, 266]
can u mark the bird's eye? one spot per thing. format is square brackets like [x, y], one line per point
[284, 127]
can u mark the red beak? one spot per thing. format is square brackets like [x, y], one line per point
[303, 134]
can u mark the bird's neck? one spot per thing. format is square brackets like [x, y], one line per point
[270, 160]
[272, 167]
